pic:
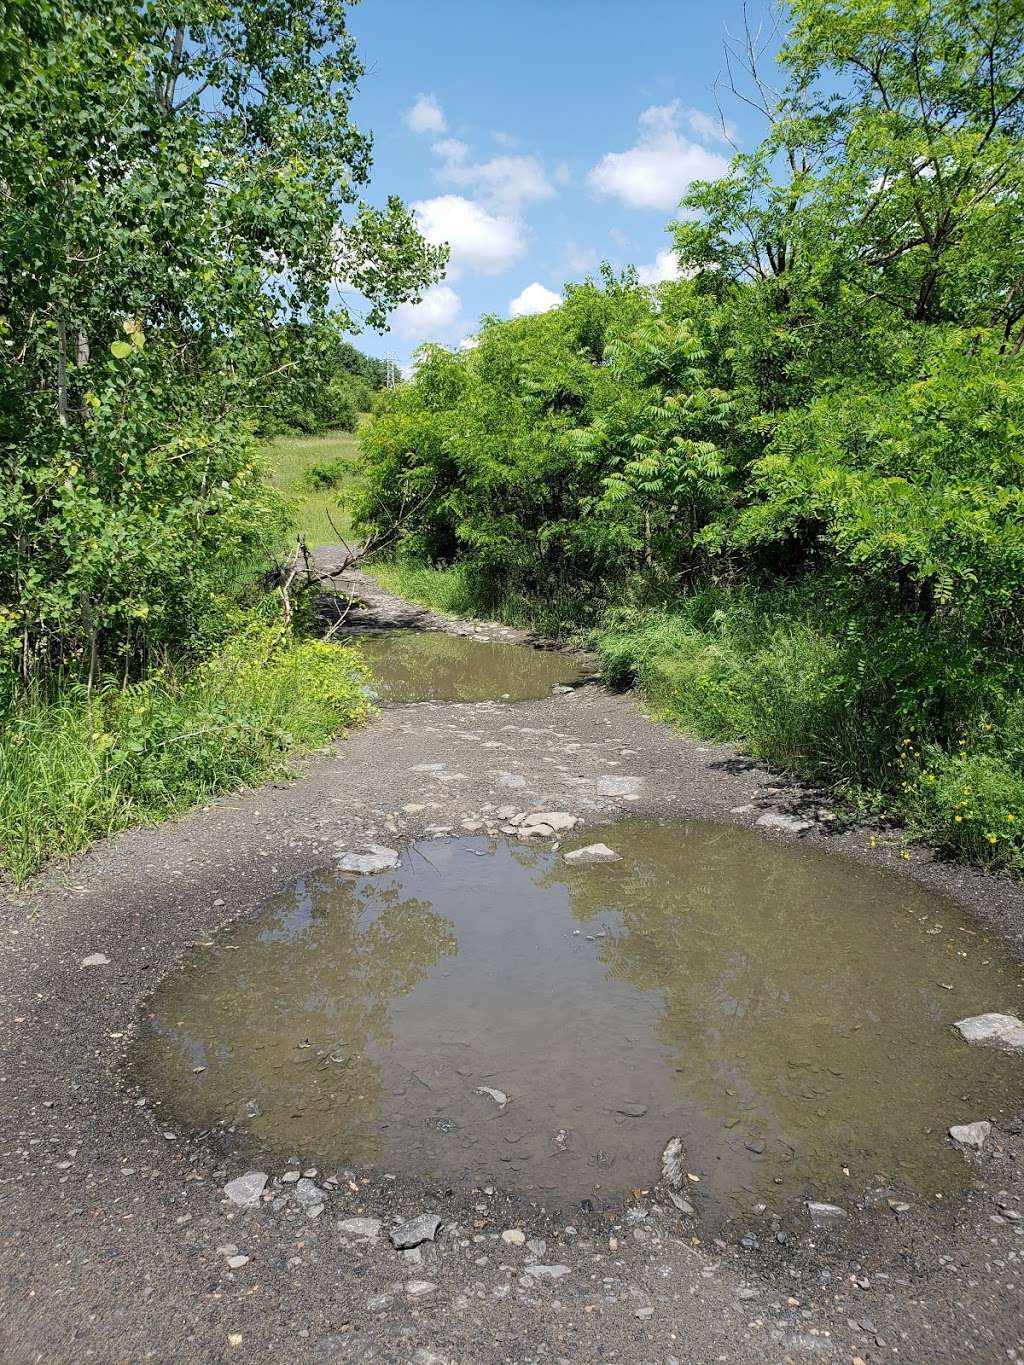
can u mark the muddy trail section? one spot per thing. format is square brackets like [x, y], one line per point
[129, 1234]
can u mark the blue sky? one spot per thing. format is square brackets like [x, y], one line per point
[539, 139]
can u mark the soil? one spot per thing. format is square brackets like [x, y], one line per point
[117, 1233]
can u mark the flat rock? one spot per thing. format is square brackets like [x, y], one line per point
[96, 960]
[673, 1163]
[592, 855]
[546, 1272]
[1004, 1031]
[308, 1193]
[778, 819]
[618, 786]
[366, 1228]
[971, 1134]
[236, 1262]
[822, 1215]
[514, 1237]
[418, 1289]
[247, 1189]
[683, 1205]
[367, 859]
[422, 1228]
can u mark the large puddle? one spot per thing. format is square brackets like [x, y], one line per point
[416, 665]
[489, 1014]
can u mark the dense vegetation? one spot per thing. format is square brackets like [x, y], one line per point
[178, 191]
[787, 490]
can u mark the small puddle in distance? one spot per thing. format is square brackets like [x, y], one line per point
[418, 665]
[781, 1010]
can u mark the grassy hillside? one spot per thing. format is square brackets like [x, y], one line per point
[303, 468]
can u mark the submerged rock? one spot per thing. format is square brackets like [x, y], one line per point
[247, 1189]
[367, 859]
[592, 855]
[1004, 1031]
[971, 1134]
[822, 1215]
[545, 824]
[422, 1228]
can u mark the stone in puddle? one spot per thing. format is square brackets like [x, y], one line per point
[822, 1215]
[971, 1134]
[673, 1163]
[632, 1111]
[592, 855]
[413, 1231]
[544, 824]
[778, 819]
[1004, 1031]
[366, 1228]
[498, 1096]
[246, 1189]
[367, 859]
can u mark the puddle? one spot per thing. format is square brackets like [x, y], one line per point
[782, 1011]
[416, 665]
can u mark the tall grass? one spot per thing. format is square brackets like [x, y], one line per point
[77, 766]
[313, 509]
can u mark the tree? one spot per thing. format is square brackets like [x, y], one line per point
[176, 181]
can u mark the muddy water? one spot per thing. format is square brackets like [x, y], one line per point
[784, 1012]
[412, 665]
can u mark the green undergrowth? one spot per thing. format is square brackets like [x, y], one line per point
[316, 474]
[77, 766]
[829, 703]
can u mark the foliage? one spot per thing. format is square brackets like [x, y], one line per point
[820, 419]
[177, 186]
[318, 515]
[82, 766]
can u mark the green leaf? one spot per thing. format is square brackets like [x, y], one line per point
[120, 350]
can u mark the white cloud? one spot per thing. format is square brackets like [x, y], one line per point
[505, 182]
[425, 115]
[710, 128]
[580, 259]
[435, 317]
[480, 241]
[665, 266]
[534, 299]
[655, 172]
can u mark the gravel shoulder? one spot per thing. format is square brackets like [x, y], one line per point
[118, 1242]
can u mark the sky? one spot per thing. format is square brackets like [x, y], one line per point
[539, 139]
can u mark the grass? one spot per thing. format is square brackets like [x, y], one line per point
[77, 767]
[291, 459]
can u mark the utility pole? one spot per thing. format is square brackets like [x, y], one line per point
[391, 373]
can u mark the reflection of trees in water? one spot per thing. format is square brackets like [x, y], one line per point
[286, 1018]
[798, 993]
[418, 664]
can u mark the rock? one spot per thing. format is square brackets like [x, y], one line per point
[755, 1145]
[822, 1215]
[537, 1246]
[560, 690]
[673, 1162]
[418, 1289]
[368, 859]
[618, 786]
[96, 960]
[778, 819]
[290, 1177]
[236, 1262]
[632, 1111]
[545, 824]
[546, 1272]
[592, 855]
[308, 1193]
[413, 1231]
[247, 1189]
[971, 1134]
[683, 1205]
[498, 1096]
[366, 1228]
[1004, 1031]
[513, 1237]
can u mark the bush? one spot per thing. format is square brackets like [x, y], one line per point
[78, 765]
[327, 474]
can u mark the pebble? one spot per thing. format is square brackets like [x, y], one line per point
[367, 1228]
[418, 1289]
[236, 1262]
[498, 1096]
[422, 1228]
[546, 1272]
[513, 1237]
[823, 1214]
[96, 960]
[246, 1189]
[971, 1134]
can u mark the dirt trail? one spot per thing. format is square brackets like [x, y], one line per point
[112, 1222]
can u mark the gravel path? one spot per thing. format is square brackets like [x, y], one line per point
[119, 1243]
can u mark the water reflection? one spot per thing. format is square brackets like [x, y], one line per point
[785, 1013]
[410, 665]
